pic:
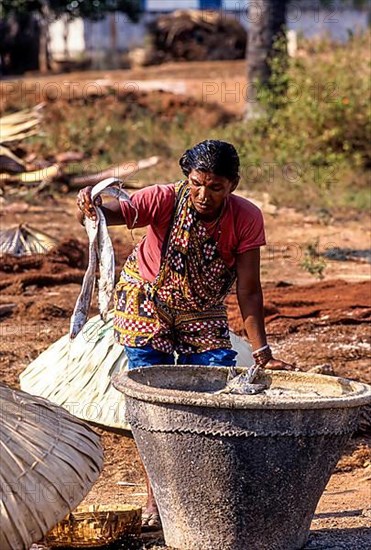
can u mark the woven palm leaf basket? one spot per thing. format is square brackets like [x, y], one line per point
[95, 526]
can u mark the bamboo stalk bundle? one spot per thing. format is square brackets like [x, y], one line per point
[77, 374]
[49, 461]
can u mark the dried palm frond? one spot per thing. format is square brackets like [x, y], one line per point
[19, 125]
[119, 171]
[24, 240]
[49, 461]
[45, 174]
[22, 116]
[77, 374]
[18, 131]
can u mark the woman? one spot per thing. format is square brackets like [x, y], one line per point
[200, 240]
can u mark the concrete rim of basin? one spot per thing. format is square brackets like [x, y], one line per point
[147, 384]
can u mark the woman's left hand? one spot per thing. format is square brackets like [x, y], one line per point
[277, 364]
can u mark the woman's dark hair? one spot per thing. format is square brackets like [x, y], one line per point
[218, 157]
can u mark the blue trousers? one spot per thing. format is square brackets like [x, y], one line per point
[148, 356]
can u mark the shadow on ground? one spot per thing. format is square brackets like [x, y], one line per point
[348, 254]
[339, 539]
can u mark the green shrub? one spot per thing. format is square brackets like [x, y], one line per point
[313, 144]
[313, 262]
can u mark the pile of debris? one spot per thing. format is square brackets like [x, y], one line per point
[14, 128]
[192, 35]
[22, 174]
[16, 167]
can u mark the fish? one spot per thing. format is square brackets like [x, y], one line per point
[82, 306]
[242, 384]
[106, 258]
[101, 255]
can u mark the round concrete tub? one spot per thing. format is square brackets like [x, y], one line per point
[238, 472]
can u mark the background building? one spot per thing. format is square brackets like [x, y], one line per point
[115, 33]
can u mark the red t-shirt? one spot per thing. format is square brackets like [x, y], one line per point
[241, 226]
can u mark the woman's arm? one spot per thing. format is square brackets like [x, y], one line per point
[111, 210]
[250, 300]
[250, 297]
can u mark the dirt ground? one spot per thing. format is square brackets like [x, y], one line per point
[309, 322]
[200, 80]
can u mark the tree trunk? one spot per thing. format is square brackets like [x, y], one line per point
[66, 24]
[19, 44]
[45, 61]
[267, 20]
[114, 56]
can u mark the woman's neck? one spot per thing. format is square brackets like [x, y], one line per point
[213, 217]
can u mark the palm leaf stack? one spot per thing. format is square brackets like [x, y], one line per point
[20, 125]
[14, 128]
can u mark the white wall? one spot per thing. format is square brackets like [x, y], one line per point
[75, 40]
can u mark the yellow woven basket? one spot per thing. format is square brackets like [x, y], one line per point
[95, 525]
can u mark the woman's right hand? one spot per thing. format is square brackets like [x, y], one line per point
[85, 205]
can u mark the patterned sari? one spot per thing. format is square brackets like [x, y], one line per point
[183, 309]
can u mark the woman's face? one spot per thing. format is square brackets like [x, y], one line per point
[208, 192]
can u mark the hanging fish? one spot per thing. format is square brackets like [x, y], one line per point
[101, 254]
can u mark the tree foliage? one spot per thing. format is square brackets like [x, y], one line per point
[93, 9]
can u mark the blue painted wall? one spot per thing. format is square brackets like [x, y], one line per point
[210, 4]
